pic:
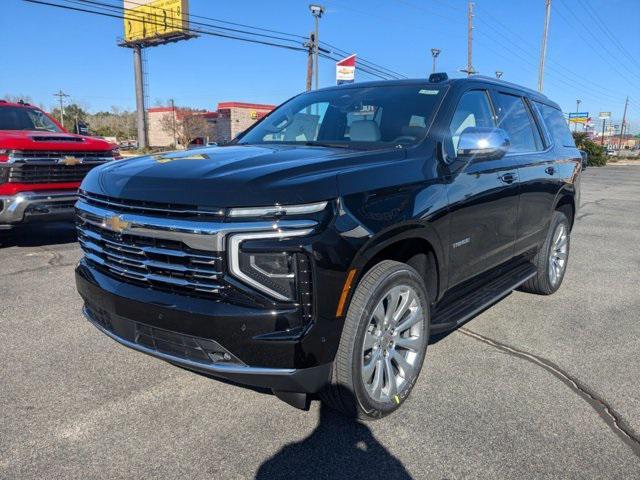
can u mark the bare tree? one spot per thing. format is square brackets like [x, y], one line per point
[186, 126]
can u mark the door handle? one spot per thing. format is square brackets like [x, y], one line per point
[550, 170]
[508, 177]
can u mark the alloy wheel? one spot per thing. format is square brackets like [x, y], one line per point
[558, 254]
[393, 344]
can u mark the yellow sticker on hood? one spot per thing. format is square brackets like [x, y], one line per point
[165, 159]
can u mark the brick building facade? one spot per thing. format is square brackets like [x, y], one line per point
[222, 125]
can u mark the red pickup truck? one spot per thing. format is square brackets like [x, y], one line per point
[42, 165]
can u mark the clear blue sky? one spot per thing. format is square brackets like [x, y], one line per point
[593, 54]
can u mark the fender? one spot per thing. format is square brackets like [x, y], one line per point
[407, 231]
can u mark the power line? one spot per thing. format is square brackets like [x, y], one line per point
[598, 20]
[361, 60]
[193, 30]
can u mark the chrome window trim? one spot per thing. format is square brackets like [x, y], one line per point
[234, 257]
[199, 235]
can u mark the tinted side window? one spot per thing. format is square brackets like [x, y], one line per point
[556, 124]
[516, 120]
[473, 110]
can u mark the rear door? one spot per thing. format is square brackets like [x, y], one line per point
[534, 158]
[483, 196]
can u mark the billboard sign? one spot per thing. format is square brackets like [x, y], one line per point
[604, 115]
[579, 117]
[346, 70]
[155, 21]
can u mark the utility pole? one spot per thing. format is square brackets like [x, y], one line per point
[316, 11]
[140, 108]
[575, 125]
[604, 121]
[624, 119]
[173, 123]
[543, 49]
[434, 53]
[61, 96]
[498, 74]
[470, 71]
[311, 46]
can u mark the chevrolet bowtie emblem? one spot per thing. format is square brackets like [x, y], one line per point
[116, 223]
[70, 160]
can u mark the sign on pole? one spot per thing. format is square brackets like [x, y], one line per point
[153, 22]
[579, 117]
[346, 70]
[604, 115]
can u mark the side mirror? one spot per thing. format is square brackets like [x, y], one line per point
[482, 143]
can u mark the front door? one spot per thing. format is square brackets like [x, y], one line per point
[483, 197]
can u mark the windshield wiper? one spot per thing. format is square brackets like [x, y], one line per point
[328, 144]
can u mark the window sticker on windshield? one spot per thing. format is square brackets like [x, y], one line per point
[428, 92]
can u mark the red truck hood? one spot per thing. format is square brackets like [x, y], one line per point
[39, 140]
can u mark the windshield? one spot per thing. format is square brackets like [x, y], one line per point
[19, 118]
[359, 117]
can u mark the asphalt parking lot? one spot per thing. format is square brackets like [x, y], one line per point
[545, 387]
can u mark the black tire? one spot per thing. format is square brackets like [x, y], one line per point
[541, 283]
[347, 392]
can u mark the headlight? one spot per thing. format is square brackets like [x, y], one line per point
[278, 210]
[273, 273]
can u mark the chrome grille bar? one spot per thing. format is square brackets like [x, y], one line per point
[160, 251]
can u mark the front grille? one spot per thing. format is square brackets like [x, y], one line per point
[121, 205]
[48, 173]
[165, 264]
[53, 138]
[20, 155]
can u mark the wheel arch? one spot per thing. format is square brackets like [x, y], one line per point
[565, 203]
[416, 245]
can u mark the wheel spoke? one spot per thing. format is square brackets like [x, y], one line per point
[376, 384]
[405, 301]
[369, 341]
[378, 315]
[391, 377]
[369, 368]
[392, 303]
[405, 368]
[410, 343]
[561, 255]
[414, 317]
[562, 242]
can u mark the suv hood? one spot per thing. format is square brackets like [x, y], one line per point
[56, 141]
[231, 176]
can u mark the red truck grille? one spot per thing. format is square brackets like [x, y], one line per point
[52, 173]
[34, 155]
[50, 166]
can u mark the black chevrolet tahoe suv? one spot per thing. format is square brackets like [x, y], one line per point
[316, 254]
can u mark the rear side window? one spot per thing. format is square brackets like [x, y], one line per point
[517, 121]
[556, 124]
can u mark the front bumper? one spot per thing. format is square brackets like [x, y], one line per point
[193, 333]
[36, 206]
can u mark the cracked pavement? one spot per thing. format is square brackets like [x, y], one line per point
[535, 387]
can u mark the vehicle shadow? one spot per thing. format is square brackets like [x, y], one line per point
[339, 447]
[38, 235]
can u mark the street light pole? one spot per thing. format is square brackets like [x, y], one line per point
[543, 49]
[316, 11]
[434, 53]
[575, 125]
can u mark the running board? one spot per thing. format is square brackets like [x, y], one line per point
[450, 313]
